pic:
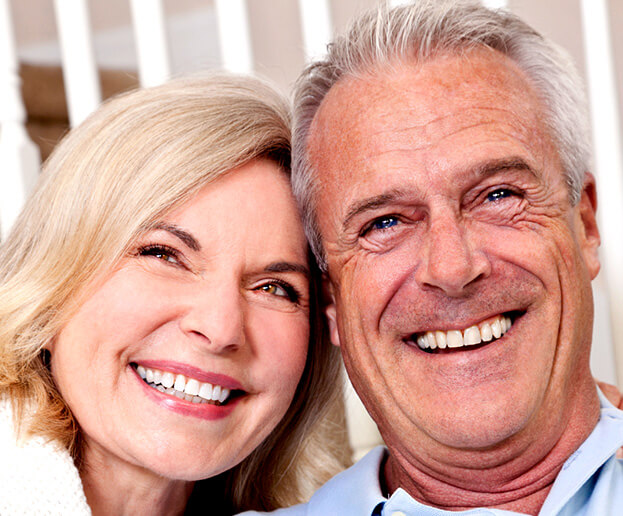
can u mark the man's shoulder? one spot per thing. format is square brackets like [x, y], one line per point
[353, 491]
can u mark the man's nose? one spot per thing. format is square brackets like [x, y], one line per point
[214, 316]
[450, 260]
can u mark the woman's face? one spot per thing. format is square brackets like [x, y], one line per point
[212, 307]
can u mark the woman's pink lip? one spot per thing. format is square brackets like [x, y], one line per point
[186, 408]
[193, 372]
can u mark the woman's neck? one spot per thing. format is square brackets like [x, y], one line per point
[117, 487]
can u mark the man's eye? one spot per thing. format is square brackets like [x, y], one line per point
[161, 252]
[384, 223]
[500, 193]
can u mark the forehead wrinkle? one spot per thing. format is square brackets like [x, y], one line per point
[427, 127]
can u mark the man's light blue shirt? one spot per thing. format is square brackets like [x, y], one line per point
[589, 484]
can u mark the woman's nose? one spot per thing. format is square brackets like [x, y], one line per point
[214, 316]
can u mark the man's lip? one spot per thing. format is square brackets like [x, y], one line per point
[193, 372]
[461, 326]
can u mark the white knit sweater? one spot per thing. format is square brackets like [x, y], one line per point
[36, 477]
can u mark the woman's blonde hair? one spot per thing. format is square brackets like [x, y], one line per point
[136, 158]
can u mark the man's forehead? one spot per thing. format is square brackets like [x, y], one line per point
[364, 94]
[434, 97]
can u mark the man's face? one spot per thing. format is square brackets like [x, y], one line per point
[444, 215]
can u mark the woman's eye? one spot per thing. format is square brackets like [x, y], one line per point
[500, 193]
[160, 252]
[279, 290]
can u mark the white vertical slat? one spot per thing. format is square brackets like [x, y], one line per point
[608, 159]
[495, 4]
[234, 35]
[19, 157]
[82, 86]
[316, 25]
[152, 47]
[491, 4]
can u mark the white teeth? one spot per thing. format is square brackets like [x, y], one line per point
[471, 336]
[178, 385]
[216, 392]
[168, 379]
[455, 339]
[442, 342]
[192, 387]
[205, 391]
[496, 328]
[485, 332]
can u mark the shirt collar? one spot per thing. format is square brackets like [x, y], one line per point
[358, 488]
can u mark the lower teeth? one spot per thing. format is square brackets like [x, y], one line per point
[182, 395]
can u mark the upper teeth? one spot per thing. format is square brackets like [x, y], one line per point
[182, 387]
[484, 332]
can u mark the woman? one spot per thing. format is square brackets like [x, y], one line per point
[155, 305]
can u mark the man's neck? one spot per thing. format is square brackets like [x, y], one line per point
[516, 475]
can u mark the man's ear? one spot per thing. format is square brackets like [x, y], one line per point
[588, 232]
[328, 299]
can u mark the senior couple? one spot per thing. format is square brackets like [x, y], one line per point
[163, 350]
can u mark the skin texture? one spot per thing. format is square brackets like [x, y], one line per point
[222, 308]
[442, 203]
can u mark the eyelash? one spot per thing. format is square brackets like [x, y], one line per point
[508, 192]
[292, 293]
[371, 225]
[158, 251]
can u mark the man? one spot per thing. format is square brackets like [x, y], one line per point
[441, 158]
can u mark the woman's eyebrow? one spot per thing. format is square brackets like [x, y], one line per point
[287, 267]
[184, 236]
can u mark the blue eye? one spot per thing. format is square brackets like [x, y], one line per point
[499, 194]
[384, 223]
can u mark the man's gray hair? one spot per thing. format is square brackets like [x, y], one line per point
[418, 32]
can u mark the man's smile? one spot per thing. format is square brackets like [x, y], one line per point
[486, 331]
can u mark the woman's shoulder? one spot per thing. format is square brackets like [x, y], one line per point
[36, 473]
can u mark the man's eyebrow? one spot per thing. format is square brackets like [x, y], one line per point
[287, 267]
[371, 203]
[491, 167]
[485, 169]
[184, 236]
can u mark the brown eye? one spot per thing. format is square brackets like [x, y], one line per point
[280, 290]
[163, 253]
